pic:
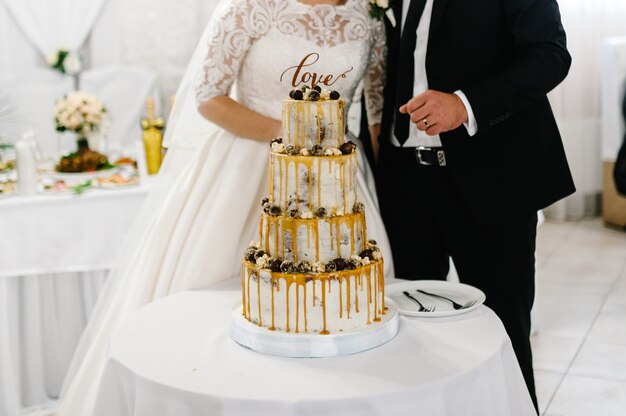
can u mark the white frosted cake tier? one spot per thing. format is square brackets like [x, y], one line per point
[315, 302]
[310, 182]
[313, 240]
[307, 123]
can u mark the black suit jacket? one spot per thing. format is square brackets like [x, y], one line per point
[505, 55]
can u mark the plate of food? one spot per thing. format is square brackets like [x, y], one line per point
[84, 164]
[122, 179]
[7, 189]
[434, 298]
[56, 186]
[7, 166]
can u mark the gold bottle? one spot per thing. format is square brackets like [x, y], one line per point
[152, 127]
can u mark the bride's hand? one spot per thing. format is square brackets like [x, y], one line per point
[240, 120]
[374, 133]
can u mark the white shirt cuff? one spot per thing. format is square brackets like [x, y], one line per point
[471, 125]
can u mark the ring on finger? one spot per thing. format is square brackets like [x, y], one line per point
[425, 122]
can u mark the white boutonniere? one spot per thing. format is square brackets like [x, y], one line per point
[381, 8]
[65, 61]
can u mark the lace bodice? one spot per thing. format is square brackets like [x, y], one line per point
[268, 47]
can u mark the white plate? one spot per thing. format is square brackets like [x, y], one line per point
[83, 176]
[458, 292]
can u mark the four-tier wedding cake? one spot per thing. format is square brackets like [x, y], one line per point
[313, 269]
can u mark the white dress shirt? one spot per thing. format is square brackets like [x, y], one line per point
[420, 82]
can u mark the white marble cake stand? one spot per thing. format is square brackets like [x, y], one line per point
[303, 345]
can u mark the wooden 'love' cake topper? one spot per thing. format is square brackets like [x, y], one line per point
[303, 76]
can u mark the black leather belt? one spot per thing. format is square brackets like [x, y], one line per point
[430, 156]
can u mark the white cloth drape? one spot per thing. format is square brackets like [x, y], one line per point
[577, 101]
[42, 315]
[41, 320]
[51, 25]
[16, 52]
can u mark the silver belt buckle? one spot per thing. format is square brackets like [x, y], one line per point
[421, 161]
[441, 156]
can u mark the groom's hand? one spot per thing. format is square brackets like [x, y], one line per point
[436, 112]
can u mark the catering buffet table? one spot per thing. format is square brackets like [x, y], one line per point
[55, 251]
[175, 357]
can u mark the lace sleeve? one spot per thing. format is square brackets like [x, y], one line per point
[375, 77]
[230, 38]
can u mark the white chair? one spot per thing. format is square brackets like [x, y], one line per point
[33, 92]
[123, 91]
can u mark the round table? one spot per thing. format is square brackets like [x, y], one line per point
[175, 357]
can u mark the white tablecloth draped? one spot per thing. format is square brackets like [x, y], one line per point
[58, 234]
[175, 357]
[54, 256]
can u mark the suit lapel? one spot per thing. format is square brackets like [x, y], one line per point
[393, 33]
[439, 7]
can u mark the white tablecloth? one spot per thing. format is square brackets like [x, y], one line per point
[69, 233]
[175, 357]
[54, 256]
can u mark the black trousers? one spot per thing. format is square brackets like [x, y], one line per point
[427, 222]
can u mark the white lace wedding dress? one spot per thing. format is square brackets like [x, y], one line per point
[205, 209]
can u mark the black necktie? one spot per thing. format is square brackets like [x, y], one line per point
[406, 68]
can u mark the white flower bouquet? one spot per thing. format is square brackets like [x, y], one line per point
[79, 112]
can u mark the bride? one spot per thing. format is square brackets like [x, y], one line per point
[204, 210]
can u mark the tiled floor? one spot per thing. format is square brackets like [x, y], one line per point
[580, 343]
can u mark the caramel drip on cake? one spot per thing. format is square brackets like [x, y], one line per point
[297, 308]
[369, 299]
[258, 280]
[348, 305]
[318, 120]
[381, 284]
[288, 282]
[272, 328]
[324, 331]
[248, 306]
[243, 290]
[306, 326]
[330, 119]
[317, 241]
[340, 297]
[343, 185]
[356, 294]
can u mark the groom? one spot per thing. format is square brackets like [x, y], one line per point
[469, 149]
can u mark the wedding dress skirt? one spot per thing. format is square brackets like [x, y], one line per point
[205, 207]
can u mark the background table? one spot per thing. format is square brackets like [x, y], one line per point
[55, 252]
[175, 357]
[65, 233]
